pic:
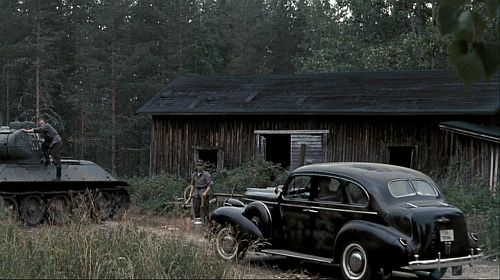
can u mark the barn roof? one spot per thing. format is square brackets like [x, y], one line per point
[352, 93]
[490, 133]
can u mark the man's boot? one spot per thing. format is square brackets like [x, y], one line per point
[58, 173]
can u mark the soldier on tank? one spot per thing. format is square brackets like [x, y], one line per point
[52, 141]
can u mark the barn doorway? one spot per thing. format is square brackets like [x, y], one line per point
[291, 148]
[278, 149]
[402, 156]
[212, 156]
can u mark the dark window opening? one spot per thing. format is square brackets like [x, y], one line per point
[278, 149]
[402, 156]
[209, 156]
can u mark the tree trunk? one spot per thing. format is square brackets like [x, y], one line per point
[7, 98]
[113, 115]
[37, 64]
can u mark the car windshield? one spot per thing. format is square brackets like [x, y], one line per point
[402, 188]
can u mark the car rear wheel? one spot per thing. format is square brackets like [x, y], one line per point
[354, 263]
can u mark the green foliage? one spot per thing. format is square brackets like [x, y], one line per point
[471, 198]
[256, 173]
[480, 207]
[124, 251]
[355, 35]
[160, 194]
[94, 56]
[157, 194]
[473, 57]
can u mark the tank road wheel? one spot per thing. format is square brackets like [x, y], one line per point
[10, 207]
[121, 202]
[103, 206]
[354, 263]
[58, 209]
[32, 210]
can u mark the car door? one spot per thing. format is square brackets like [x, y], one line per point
[330, 204]
[295, 214]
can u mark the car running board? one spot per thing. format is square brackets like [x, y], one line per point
[293, 254]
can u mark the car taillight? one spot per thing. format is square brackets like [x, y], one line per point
[473, 236]
[403, 242]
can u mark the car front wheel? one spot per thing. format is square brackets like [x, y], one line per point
[229, 244]
[354, 263]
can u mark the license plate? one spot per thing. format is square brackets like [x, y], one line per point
[446, 235]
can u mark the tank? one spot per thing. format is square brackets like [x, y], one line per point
[30, 191]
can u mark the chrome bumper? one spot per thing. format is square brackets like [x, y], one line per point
[441, 263]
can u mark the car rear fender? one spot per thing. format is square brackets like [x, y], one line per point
[384, 245]
[234, 216]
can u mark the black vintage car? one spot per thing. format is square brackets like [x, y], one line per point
[368, 218]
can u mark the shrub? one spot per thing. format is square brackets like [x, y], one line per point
[157, 194]
[256, 173]
[480, 207]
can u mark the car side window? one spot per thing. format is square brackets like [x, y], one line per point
[423, 188]
[400, 188]
[299, 188]
[329, 190]
[356, 194]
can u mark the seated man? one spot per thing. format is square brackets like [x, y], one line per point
[358, 197]
[329, 190]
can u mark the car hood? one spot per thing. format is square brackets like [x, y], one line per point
[260, 194]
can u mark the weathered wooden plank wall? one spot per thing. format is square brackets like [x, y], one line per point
[314, 148]
[472, 158]
[349, 139]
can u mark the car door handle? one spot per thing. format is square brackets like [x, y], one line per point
[309, 210]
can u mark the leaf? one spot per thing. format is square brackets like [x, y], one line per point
[471, 25]
[448, 13]
[493, 7]
[489, 55]
[467, 63]
[458, 48]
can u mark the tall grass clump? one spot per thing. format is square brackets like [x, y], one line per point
[157, 194]
[256, 173]
[77, 250]
[479, 204]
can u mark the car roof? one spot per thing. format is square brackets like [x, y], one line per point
[364, 172]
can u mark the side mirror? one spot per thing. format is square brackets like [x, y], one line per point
[278, 189]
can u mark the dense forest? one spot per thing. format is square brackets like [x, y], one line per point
[88, 65]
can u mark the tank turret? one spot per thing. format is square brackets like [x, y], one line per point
[29, 191]
[17, 146]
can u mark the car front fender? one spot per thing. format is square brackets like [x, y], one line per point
[384, 244]
[234, 216]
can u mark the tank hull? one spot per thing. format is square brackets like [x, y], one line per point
[31, 191]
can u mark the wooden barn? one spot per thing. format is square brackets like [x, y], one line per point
[426, 120]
